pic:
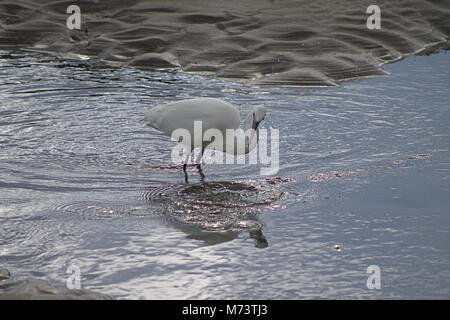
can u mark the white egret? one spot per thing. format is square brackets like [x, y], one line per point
[213, 114]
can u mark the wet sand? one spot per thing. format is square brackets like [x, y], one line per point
[259, 42]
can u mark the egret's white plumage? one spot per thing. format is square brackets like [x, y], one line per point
[213, 114]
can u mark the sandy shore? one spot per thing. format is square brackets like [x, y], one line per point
[258, 41]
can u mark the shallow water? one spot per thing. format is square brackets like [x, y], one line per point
[363, 180]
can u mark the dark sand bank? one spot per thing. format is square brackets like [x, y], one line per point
[262, 42]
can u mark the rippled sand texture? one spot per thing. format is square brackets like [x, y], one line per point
[261, 42]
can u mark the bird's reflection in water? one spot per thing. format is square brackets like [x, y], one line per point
[216, 212]
[216, 237]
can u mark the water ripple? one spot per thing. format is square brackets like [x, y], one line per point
[216, 206]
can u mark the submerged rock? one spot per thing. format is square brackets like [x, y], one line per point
[37, 289]
[4, 274]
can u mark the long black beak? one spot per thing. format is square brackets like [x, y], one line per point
[255, 124]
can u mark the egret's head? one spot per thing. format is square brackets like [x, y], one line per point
[251, 124]
[258, 115]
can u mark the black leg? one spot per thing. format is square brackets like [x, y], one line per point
[199, 159]
[185, 166]
[202, 176]
[185, 173]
